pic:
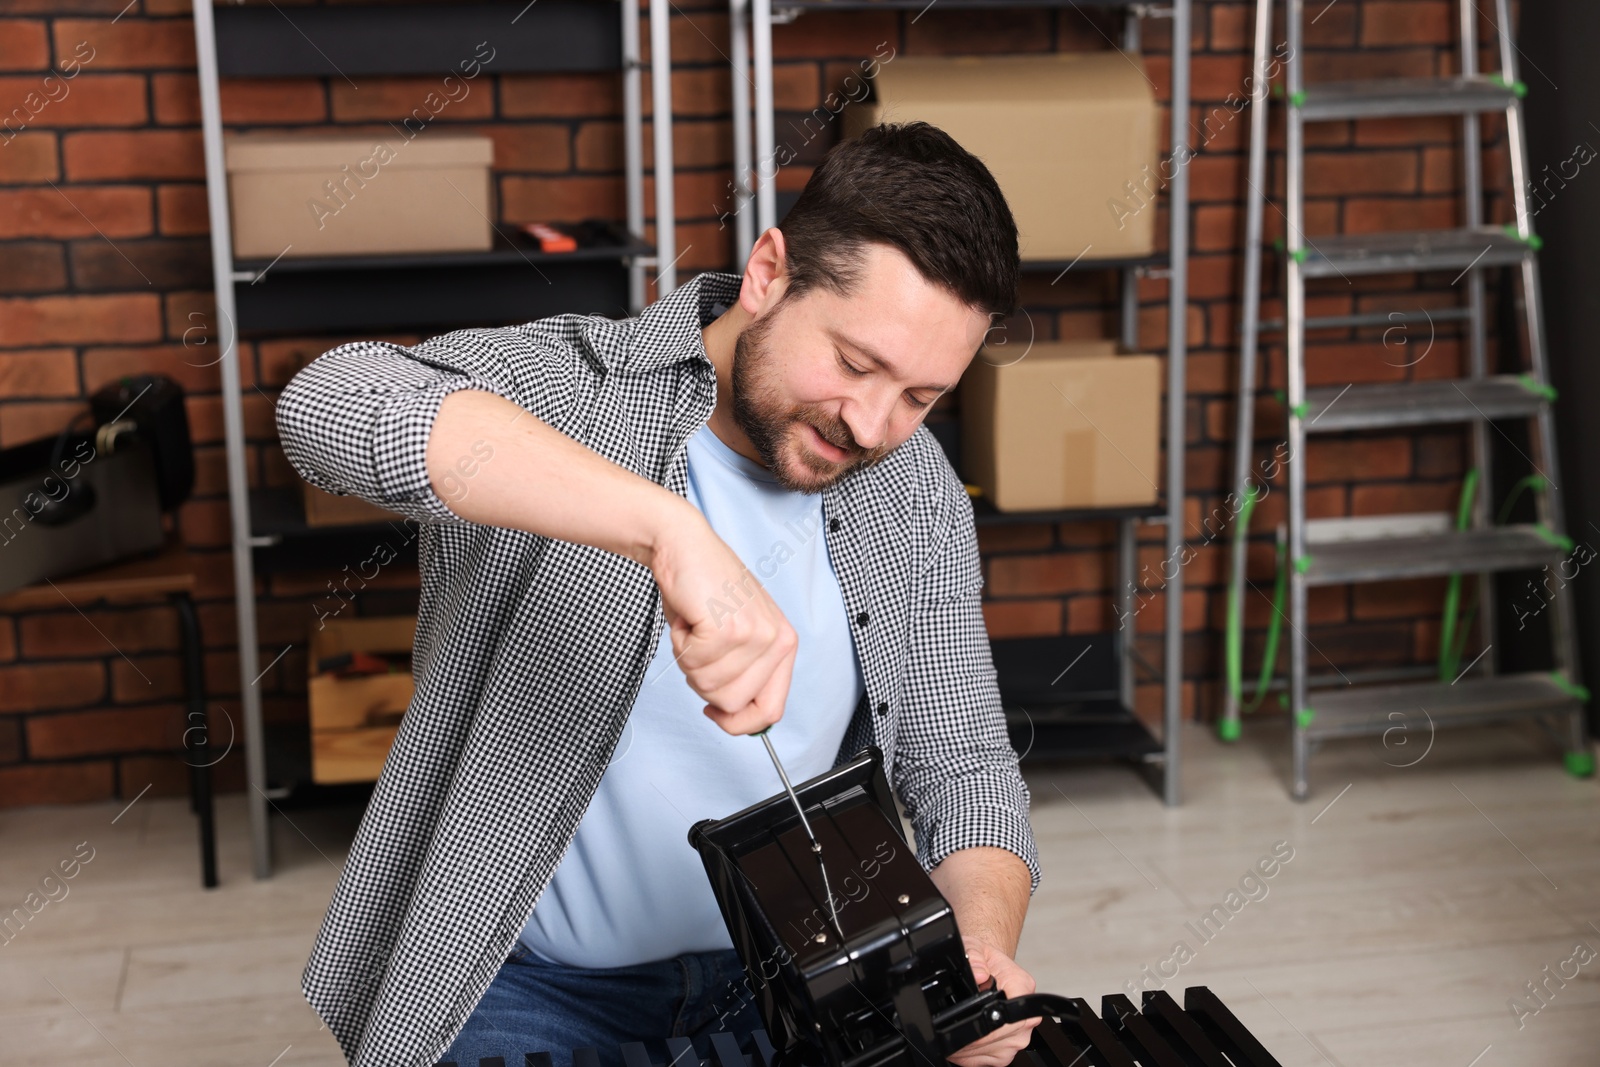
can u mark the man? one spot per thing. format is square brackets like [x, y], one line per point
[627, 523]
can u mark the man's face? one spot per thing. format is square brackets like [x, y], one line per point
[824, 385]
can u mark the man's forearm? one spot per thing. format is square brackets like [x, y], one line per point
[540, 480]
[988, 890]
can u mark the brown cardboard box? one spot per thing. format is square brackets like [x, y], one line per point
[354, 720]
[331, 509]
[321, 195]
[1069, 425]
[1072, 138]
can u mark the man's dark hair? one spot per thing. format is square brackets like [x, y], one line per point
[909, 185]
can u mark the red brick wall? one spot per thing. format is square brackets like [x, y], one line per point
[104, 270]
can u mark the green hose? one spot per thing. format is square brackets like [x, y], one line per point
[1234, 635]
[1455, 626]
[1451, 651]
[1269, 655]
[1233, 638]
[1449, 654]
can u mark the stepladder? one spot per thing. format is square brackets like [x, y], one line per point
[1500, 397]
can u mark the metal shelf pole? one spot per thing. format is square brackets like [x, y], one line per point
[1177, 399]
[739, 54]
[633, 146]
[761, 51]
[661, 126]
[226, 338]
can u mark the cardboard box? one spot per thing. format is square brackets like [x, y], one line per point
[331, 509]
[354, 720]
[320, 195]
[1069, 425]
[1072, 138]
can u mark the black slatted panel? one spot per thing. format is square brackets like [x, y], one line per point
[1136, 1033]
[1099, 1035]
[766, 1055]
[681, 1053]
[1055, 1047]
[635, 1055]
[1202, 1033]
[1225, 1029]
[725, 1051]
[1181, 1031]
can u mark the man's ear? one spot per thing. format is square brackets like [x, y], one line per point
[766, 274]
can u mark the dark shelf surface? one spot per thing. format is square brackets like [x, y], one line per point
[511, 248]
[1091, 263]
[350, 41]
[1097, 730]
[509, 283]
[279, 512]
[986, 514]
[1061, 699]
[917, 5]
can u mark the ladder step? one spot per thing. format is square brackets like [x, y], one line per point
[1341, 255]
[1362, 407]
[1389, 97]
[1386, 319]
[1352, 711]
[1498, 548]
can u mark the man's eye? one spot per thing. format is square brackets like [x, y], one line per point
[853, 371]
[914, 402]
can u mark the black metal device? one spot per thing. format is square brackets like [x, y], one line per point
[1160, 1033]
[891, 975]
[887, 983]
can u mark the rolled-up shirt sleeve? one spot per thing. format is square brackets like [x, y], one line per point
[356, 420]
[955, 769]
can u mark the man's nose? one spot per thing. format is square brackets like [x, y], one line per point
[867, 416]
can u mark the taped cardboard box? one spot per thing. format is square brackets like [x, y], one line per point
[330, 509]
[354, 720]
[1072, 138]
[321, 195]
[1069, 425]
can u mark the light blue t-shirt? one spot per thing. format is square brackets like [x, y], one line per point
[631, 889]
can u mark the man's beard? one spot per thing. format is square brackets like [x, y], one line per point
[758, 412]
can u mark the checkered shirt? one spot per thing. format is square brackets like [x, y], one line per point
[530, 651]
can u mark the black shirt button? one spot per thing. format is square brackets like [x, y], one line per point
[833, 524]
[883, 708]
[861, 620]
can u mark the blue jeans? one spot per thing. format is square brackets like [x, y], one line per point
[536, 1006]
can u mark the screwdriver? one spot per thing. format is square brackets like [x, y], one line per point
[816, 846]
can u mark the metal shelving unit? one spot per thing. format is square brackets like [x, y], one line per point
[335, 294]
[1098, 720]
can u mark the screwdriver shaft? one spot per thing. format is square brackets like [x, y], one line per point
[816, 846]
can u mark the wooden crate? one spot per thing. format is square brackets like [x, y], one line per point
[354, 720]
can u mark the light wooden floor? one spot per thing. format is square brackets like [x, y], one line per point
[1418, 901]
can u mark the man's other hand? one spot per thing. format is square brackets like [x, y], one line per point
[998, 1048]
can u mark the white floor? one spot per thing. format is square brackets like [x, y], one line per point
[1419, 900]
